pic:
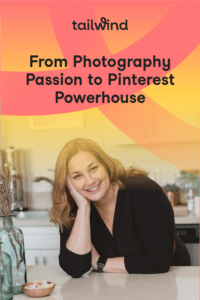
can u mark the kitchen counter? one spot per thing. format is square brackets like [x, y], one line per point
[191, 218]
[180, 283]
[29, 222]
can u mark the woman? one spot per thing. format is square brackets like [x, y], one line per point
[110, 218]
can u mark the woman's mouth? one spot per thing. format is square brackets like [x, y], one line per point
[93, 188]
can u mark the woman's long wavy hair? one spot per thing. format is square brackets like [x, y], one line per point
[64, 208]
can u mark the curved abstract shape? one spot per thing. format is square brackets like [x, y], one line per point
[175, 42]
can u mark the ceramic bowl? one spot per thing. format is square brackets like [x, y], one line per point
[37, 293]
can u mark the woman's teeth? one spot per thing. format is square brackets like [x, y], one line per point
[93, 189]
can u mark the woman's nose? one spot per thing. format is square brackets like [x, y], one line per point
[89, 179]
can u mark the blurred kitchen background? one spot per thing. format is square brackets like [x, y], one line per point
[37, 141]
[32, 144]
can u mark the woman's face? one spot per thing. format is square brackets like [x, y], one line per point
[88, 176]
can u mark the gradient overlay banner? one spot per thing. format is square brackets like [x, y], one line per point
[165, 29]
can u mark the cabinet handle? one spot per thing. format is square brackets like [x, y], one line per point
[36, 261]
[45, 260]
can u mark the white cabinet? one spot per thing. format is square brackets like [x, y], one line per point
[50, 257]
[42, 257]
[33, 257]
[157, 129]
[42, 245]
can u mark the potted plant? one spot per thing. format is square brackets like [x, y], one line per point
[172, 192]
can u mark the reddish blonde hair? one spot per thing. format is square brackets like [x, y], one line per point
[64, 209]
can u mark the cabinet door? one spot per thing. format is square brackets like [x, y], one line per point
[41, 237]
[177, 131]
[194, 253]
[50, 257]
[33, 257]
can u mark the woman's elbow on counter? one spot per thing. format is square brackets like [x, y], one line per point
[151, 268]
[73, 264]
[74, 271]
[162, 268]
[150, 271]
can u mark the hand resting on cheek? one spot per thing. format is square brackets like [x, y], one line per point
[80, 200]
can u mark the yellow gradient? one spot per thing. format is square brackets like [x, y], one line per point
[95, 126]
[181, 99]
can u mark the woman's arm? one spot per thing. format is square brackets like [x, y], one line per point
[75, 259]
[113, 265]
[155, 224]
[154, 221]
[79, 240]
[75, 254]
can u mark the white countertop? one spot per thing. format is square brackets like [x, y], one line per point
[191, 218]
[33, 222]
[180, 283]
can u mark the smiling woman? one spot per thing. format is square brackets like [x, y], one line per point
[88, 176]
[112, 219]
[71, 161]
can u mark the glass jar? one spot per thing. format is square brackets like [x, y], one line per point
[6, 291]
[13, 244]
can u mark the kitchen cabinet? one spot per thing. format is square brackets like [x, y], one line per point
[175, 132]
[71, 120]
[42, 257]
[42, 245]
[155, 130]
[50, 257]
[33, 257]
[189, 234]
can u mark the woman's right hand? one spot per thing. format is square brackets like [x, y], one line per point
[80, 200]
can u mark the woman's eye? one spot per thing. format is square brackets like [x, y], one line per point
[93, 168]
[77, 176]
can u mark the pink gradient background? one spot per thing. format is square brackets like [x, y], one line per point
[172, 38]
